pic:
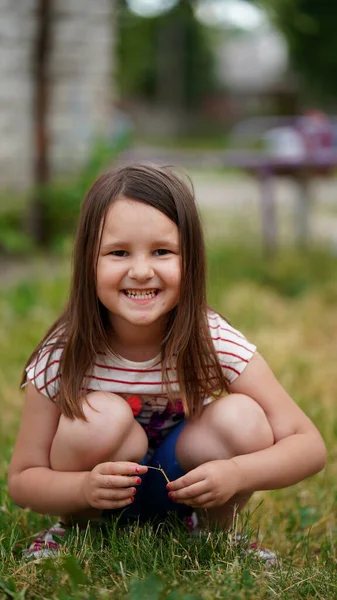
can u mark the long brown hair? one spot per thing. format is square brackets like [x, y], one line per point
[82, 328]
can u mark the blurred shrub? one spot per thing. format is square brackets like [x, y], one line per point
[290, 273]
[309, 28]
[62, 200]
[147, 66]
[13, 240]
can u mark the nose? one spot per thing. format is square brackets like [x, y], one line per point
[141, 269]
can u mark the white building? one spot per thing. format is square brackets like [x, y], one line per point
[79, 83]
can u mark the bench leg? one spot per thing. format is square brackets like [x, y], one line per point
[268, 212]
[302, 210]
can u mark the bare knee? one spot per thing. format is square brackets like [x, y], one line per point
[241, 424]
[110, 433]
[228, 427]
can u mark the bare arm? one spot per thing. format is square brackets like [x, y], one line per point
[31, 482]
[299, 450]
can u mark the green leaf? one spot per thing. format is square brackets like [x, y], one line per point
[9, 587]
[63, 595]
[176, 595]
[74, 570]
[149, 589]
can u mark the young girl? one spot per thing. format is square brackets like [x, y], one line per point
[138, 371]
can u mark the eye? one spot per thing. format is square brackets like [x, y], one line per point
[121, 253]
[161, 252]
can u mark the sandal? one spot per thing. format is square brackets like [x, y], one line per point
[47, 544]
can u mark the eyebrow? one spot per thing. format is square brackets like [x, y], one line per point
[156, 243]
[164, 243]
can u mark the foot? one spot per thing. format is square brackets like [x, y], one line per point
[48, 543]
[264, 554]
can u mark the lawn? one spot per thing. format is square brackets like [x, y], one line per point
[287, 306]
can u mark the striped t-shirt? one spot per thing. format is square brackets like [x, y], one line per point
[140, 384]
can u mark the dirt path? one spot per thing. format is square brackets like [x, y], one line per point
[229, 195]
[16, 270]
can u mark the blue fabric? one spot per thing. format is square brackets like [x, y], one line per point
[151, 499]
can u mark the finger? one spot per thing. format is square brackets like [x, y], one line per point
[207, 500]
[189, 479]
[112, 504]
[121, 468]
[117, 495]
[211, 504]
[202, 501]
[192, 491]
[118, 481]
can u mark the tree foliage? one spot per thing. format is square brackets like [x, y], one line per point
[309, 27]
[166, 58]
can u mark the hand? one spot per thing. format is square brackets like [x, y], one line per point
[111, 484]
[209, 485]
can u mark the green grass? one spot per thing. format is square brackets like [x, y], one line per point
[287, 306]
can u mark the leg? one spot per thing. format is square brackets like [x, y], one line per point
[110, 434]
[228, 427]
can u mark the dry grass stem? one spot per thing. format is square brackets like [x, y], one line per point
[161, 470]
[286, 305]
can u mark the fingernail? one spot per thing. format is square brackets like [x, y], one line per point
[132, 499]
[134, 490]
[167, 486]
[137, 469]
[170, 495]
[139, 480]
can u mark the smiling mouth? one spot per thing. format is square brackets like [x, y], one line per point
[141, 294]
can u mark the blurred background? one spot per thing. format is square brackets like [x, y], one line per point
[242, 95]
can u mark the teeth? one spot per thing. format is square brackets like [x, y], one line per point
[141, 294]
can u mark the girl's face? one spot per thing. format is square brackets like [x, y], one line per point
[139, 264]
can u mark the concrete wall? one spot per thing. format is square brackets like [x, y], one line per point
[17, 32]
[80, 84]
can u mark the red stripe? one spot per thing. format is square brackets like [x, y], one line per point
[164, 394]
[43, 370]
[107, 367]
[129, 370]
[48, 383]
[231, 342]
[129, 382]
[235, 355]
[239, 335]
[38, 357]
[230, 369]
